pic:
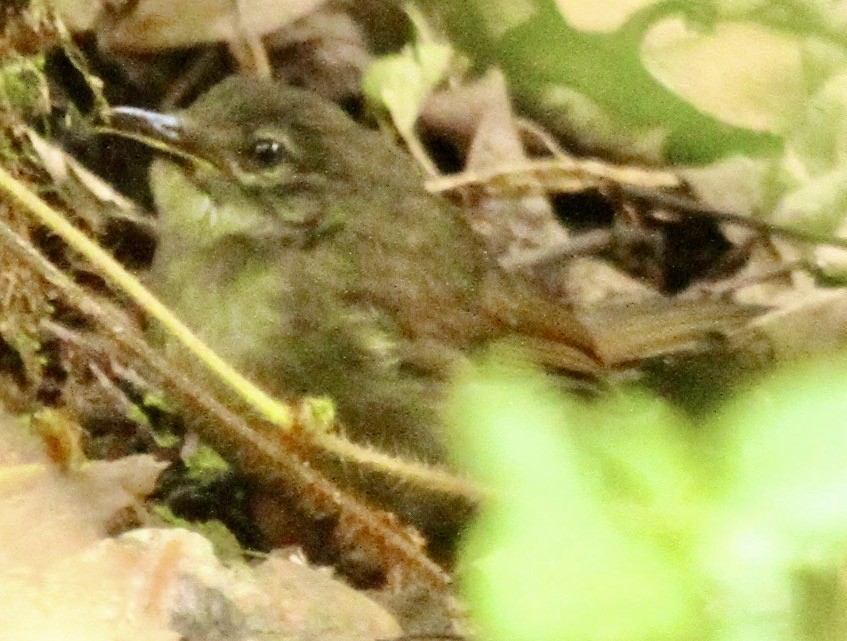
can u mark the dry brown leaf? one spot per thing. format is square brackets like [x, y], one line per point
[80, 15]
[150, 25]
[630, 333]
[563, 174]
[506, 224]
[45, 514]
[157, 584]
[61, 578]
[325, 51]
[735, 184]
[593, 281]
[85, 192]
[805, 322]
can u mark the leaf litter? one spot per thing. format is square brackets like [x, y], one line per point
[512, 190]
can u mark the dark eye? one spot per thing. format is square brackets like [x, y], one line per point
[267, 152]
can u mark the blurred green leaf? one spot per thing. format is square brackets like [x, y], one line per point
[205, 464]
[401, 82]
[741, 73]
[787, 444]
[813, 171]
[619, 519]
[541, 52]
[550, 560]
[779, 535]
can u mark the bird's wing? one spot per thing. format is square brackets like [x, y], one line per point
[630, 333]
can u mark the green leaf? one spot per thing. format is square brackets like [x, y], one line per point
[554, 556]
[814, 167]
[776, 544]
[618, 519]
[787, 441]
[400, 83]
[205, 464]
[541, 54]
[740, 73]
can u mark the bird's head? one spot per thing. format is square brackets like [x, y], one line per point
[268, 151]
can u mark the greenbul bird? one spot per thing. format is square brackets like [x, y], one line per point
[304, 249]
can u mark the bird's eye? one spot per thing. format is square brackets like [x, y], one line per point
[267, 152]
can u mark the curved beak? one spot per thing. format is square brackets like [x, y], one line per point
[166, 128]
[169, 133]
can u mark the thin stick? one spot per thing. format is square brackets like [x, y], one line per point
[250, 451]
[688, 207]
[274, 411]
[589, 242]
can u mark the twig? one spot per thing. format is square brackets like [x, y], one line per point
[587, 243]
[276, 412]
[272, 410]
[253, 453]
[686, 206]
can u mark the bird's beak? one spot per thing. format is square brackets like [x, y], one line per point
[166, 132]
[166, 128]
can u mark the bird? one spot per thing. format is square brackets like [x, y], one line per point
[303, 248]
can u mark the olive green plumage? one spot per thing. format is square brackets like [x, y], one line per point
[307, 253]
[303, 248]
